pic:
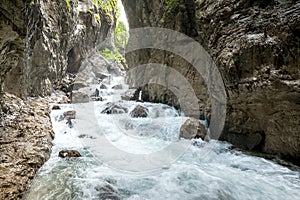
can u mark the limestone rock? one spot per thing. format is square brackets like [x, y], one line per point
[71, 114]
[80, 97]
[258, 60]
[69, 154]
[130, 94]
[25, 142]
[59, 39]
[192, 128]
[38, 43]
[139, 111]
[107, 192]
[113, 108]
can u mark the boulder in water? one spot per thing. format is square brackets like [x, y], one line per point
[69, 154]
[70, 114]
[130, 94]
[55, 107]
[79, 97]
[192, 128]
[113, 108]
[139, 111]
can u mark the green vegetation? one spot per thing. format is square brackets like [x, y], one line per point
[98, 18]
[121, 35]
[120, 32]
[68, 4]
[112, 55]
[31, 3]
[107, 5]
[169, 3]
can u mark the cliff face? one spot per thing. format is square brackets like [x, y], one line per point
[255, 45]
[39, 39]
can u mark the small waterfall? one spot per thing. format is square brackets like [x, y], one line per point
[140, 95]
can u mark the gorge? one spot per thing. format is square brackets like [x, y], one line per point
[45, 44]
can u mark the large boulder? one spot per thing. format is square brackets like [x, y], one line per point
[80, 97]
[113, 108]
[139, 111]
[192, 128]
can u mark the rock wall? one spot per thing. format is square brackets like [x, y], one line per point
[255, 45]
[25, 143]
[40, 39]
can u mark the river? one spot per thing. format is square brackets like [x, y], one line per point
[201, 170]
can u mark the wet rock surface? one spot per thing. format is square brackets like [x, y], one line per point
[69, 154]
[71, 114]
[58, 40]
[41, 41]
[79, 97]
[139, 111]
[114, 108]
[130, 94]
[255, 45]
[25, 143]
[192, 128]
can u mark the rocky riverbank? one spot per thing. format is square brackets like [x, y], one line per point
[25, 142]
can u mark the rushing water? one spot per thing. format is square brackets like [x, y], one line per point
[206, 170]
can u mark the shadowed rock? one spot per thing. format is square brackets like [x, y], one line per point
[113, 108]
[139, 111]
[55, 107]
[192, 128]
